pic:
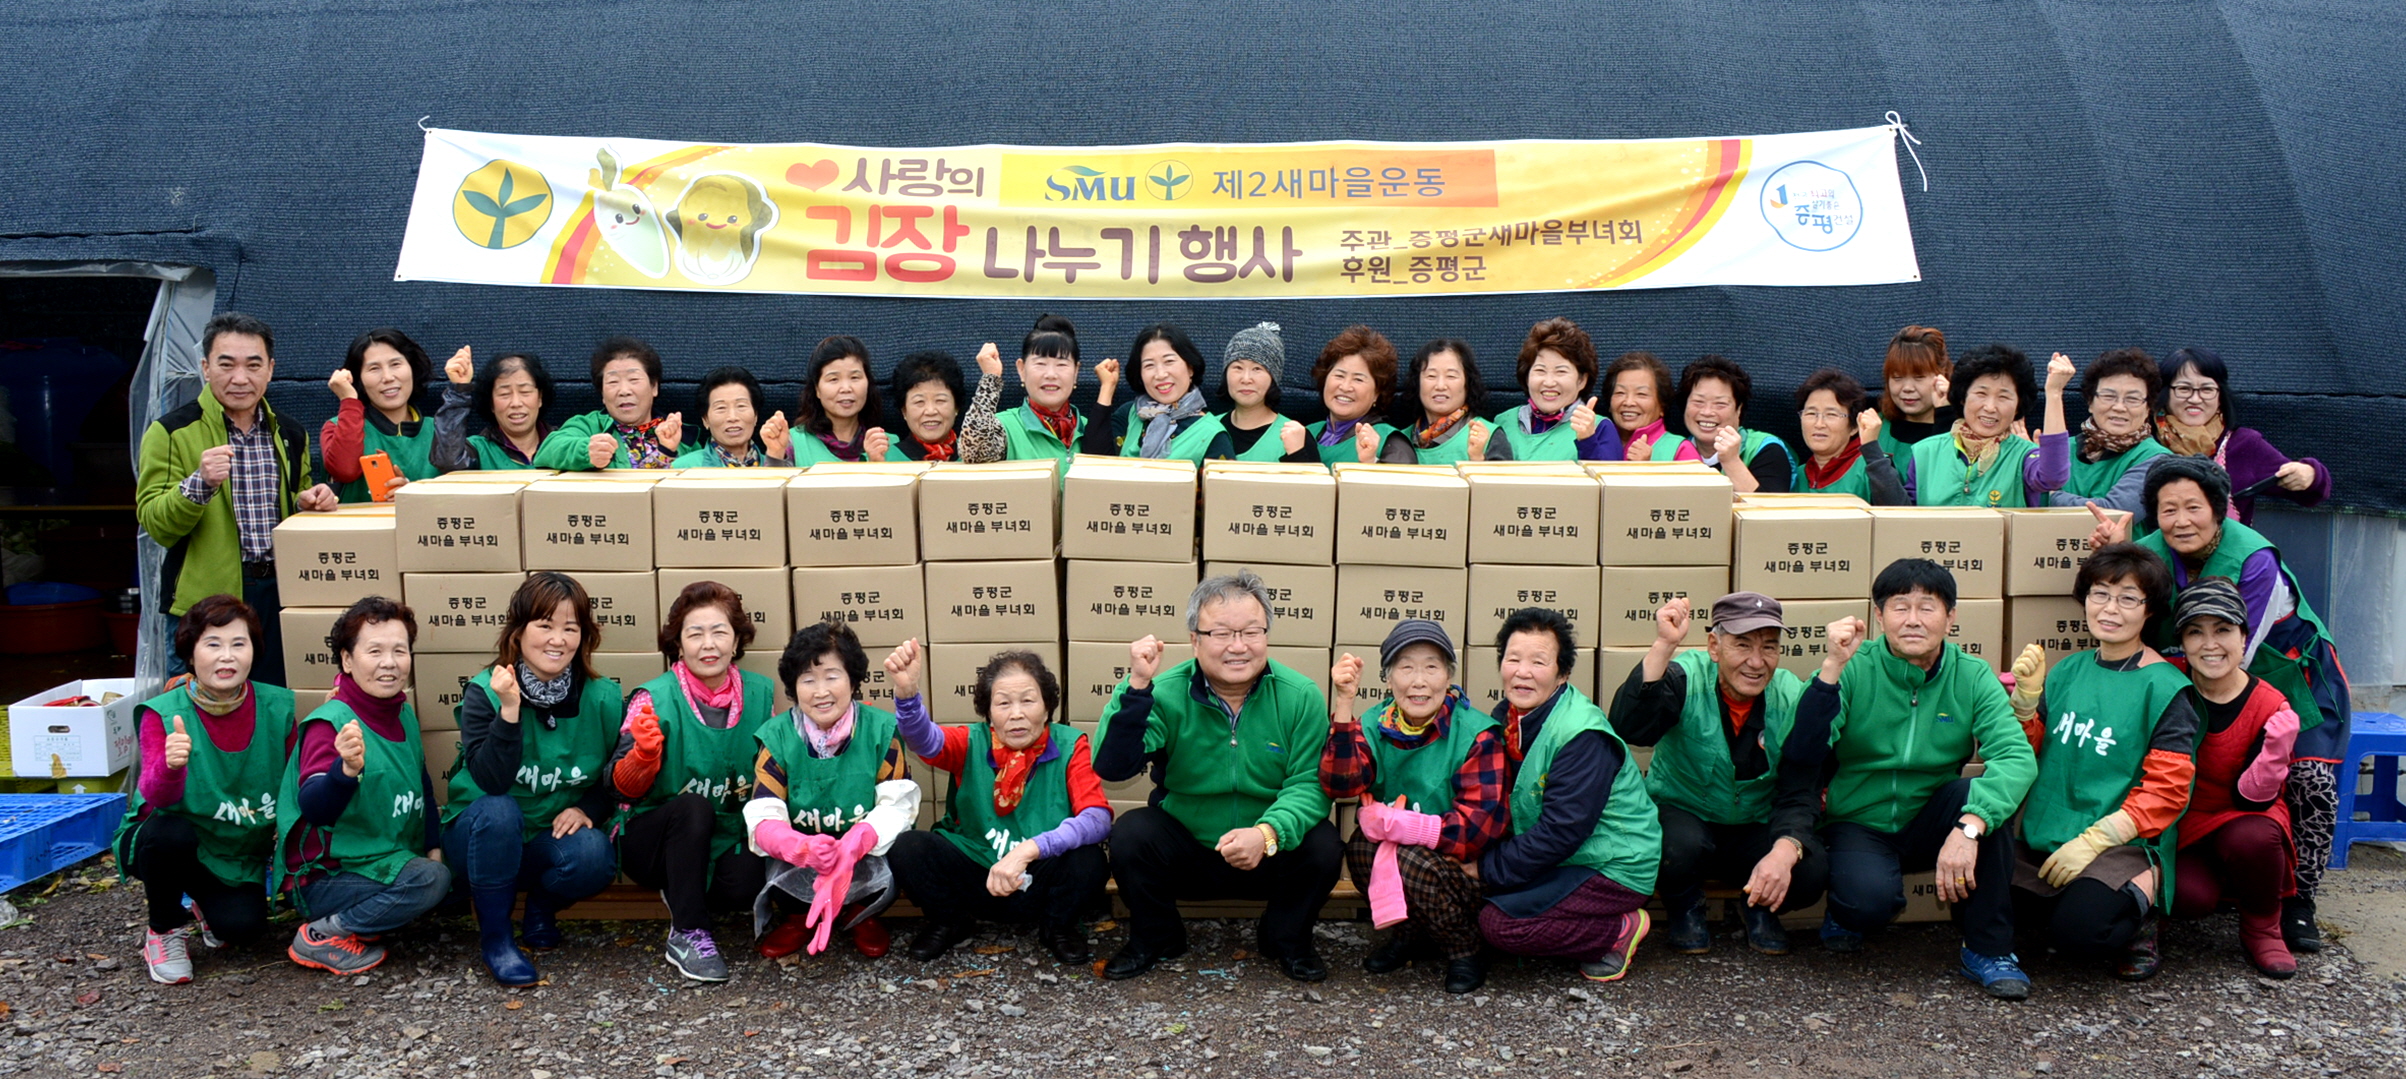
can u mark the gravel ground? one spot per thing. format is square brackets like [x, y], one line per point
[72, 985]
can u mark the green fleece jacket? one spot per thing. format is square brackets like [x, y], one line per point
[566, 449]
[204, 546]
[1902, 732]
[1214, 780]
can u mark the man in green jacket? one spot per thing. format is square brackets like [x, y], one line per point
[216, 477]
[1904, 719]
[1233, 741]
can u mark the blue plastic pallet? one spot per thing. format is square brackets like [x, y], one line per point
[41, 834]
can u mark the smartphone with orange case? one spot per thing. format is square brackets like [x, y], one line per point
[377, 469]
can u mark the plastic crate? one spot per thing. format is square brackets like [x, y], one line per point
[41, 834]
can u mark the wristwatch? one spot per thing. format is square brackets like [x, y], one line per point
[1971, 830]
[1269, 840]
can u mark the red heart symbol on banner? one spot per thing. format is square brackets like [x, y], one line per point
[811, 176]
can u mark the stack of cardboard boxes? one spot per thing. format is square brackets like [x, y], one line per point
[1280, 522]
[2043, 552]
[1403, 547]
[987, 533]
[1532, 543]
[852, 534]
[1664, 535]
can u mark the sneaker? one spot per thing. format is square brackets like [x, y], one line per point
[170, 963]
[1615, 964]
[2142, 958]
[2298, 927]
[339, 953]
[1839, 938]
[200, 925]
[2000, 976]
[695, 955]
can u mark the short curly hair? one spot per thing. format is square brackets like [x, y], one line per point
[208, 614]
[1375, 350]
[705, 594]
[1565, 337]
[1741, 386]
[1026, 662]
[818, 639]
[367, 612]
[2003, 360]
[1841, 386]
[2134, 362]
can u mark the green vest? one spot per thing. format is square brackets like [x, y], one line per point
[556, 766]
[229, 798]
[2092, 479]
[705, 760]
[385, 824]
[2239, 543]
[1692, 768]
[1856, 480]
[2099, 724]
[1941, 477]
[1343, 451]
[826, 795]
[1026, 438]
[411, 448]
[1556, 443]
[1190, 444]
[969, 819]
[1751, 442]
[491, 455]
[1424, 774]
[1898, 449]
[1270, 447]
[1454, 450]
[1626, 846]
[702, 457]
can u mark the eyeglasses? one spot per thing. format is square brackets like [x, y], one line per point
[2195, 392]
[2125, 400]
[2128, 601]
[1249, 635]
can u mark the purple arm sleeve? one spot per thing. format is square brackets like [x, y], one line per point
[919, 732]
[2047, 467]
[2257, 576]
[1604, 445]
[1090, 826]
[160, 785]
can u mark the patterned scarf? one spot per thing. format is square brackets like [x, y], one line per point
[750, 458]
[1391, 724]
[541, 693]
[642, 443]
[1062, 421]
[1161, 422]
[1438, 430]
[1978, 453]
[2199, 441]
[1011, 768]
[217, 706]
[829, 742]
[943, 449]
[729, 695]
[847, 451]
[2096, 445]
[1819, 475]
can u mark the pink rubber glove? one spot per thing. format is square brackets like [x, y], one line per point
[779, 840]
[828, 891]
[2269, 772]
[1385, 824]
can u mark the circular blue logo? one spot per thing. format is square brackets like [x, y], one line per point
[1812, 206]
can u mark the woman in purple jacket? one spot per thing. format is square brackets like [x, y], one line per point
[2196, 418]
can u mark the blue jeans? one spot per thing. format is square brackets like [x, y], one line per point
[486, 839]
[370, 907]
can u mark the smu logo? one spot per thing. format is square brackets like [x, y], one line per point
[1077, 183]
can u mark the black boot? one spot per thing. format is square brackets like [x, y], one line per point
[1066, 943]
[936, 938]
[1689, 933]
[1763, 931]
[2297, 924]
[1392, 955]
[1464, 975]
[493, 932]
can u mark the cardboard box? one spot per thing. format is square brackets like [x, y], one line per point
[332, 559]
[1802, 500]
[1968, 540]
[305, 701]
[1497, 591]
[1611, 668]
[1802, 553]
[885, 605]
[971, 513]
[441, 749]
[1806, 641]
[2044, 550]
[1284, 514]
[1389, 515]
[1371, 599]
[1631, 595]
[1663, 517]
[727, 518]
[1532, 517]
[627, 607]
[439, 680]
[1371, 689]
[1482, 677]
[597, 524]
[61, 741]
[629, 669]
[852, 518]
[2060, 623]
[767, 595]
[1979, 629]
[1311, 663]
[763, 662]
[952, 675]
[1125, 509]
[1303, 600]
[457, 528]
[308, 659]
[1096, 668]
[518, 476]
[459, 612]
[1122, 601]
[993, 602]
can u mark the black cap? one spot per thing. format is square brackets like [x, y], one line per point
[1412, 631]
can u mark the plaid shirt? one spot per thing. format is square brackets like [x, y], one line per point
[1478, 817]
[254, 480]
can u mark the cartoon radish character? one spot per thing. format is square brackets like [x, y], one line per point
[629, 222]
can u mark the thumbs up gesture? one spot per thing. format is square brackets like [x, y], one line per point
[1583, 419]
[179, 744]
[353, 747]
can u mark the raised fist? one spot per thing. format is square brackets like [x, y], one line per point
[460, 369]
[354, 749]
[602, 450]
[902, 669]
[340, 382]
[671, 431]
[777, 436]
[216, 464]
[989, 359]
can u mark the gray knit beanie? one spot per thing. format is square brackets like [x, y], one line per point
[1259, 343]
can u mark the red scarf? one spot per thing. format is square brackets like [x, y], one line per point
[943, 449]
[1011, 768]
[1512, 746]
[1061, 421]
[1818, 475]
